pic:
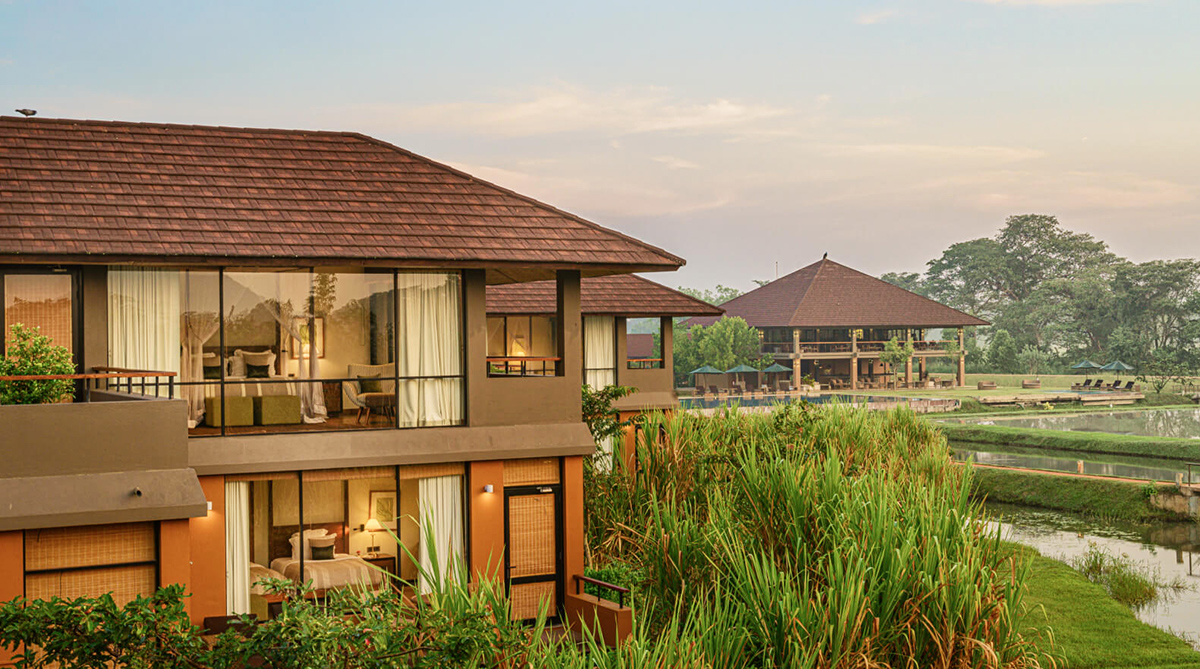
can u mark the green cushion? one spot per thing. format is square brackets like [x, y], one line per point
[258, 371]
[369, 384]
[240, 410]
[277, 410]
[322, 552]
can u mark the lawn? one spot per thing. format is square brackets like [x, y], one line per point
[1097, 497]
[1092, 630]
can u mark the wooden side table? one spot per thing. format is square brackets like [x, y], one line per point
[332, 391]
[384, 561]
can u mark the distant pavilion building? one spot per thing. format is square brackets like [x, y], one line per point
[831, 322]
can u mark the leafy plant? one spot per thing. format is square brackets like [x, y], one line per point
[1033, 359]
[896, 353]
[30, 353]
[598, 412]
[1133, 584]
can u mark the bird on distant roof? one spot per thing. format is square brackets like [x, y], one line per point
[27, 112]
[825, 256]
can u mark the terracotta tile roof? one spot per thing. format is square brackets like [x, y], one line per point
[104, 190]
[828, 295]
[618, 295]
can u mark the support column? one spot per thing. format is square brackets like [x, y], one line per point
[962, 359]
[853, 359]
[796, 375]
[908, 363]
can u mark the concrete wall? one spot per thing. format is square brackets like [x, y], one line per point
[206, 543]
[656, 387]
[523, 400]
[58, 439]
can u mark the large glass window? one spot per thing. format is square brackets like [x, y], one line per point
[643, 343]
[599, 351]
[365, 528]
[429, 322]
[523, 346]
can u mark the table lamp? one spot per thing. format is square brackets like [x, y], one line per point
[373, 526]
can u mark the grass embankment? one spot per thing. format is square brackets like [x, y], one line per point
[1094, 497]
[1092, 630]
[1065, 440]
[971, 406]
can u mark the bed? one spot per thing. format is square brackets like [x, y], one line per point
[344, 570]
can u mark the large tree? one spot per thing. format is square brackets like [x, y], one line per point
[725, 344]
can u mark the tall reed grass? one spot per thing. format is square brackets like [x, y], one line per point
[809, 537]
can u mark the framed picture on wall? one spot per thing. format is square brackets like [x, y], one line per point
[383, 508]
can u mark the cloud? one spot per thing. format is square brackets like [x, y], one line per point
[878, 16]
[565, 109]
[1056, 3]
[991, 154]
[675, 163]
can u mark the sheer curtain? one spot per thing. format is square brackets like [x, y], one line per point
[599, 351]
[599, 365]
[143, 319]
[237, 547]
[198, 322]
[441, 507]
[429, 327]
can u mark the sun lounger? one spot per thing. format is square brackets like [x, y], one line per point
[1128, 387]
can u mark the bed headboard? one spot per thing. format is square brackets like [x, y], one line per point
[281, 547]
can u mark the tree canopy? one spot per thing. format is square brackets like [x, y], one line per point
[725, 344]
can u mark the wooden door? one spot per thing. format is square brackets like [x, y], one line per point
[533, 533]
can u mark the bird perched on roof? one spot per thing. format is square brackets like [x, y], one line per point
[825, 255]
[27, 112]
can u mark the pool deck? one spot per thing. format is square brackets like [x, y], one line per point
[765, 402]
[1099, 398]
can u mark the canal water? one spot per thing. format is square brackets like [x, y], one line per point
[1172, 423]
[1133, 467]
[1174, 549]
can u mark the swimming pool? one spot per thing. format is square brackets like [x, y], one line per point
[1173, 423]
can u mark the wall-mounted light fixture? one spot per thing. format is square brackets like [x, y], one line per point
[488, 488]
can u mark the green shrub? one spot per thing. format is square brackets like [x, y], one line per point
[29, 353]
[1134, 585]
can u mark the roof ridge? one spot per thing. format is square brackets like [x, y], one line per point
[583, 221]
[174, 126]
[811, 282]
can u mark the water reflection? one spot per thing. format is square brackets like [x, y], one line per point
[1059, 461]
[1173, 549]
[1174, 423]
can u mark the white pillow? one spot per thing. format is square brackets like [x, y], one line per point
[294, 540]
[237, 366]
[257, 357]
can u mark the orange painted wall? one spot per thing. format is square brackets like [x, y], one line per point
[207, 548]
[12, 573]
[487, 518]
[573, 536]
[175, 555]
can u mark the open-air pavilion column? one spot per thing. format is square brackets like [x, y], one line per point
[853, 359]
[796, 358]
[962, 359]
[908, 362]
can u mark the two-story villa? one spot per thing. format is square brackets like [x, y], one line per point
[617, 310]
[830, 322]
[288, 349]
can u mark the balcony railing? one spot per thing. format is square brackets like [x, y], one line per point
[821, 347]
[644, 363]
[111, 379]
[522, 366]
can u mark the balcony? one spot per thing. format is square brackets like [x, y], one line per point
[844, 349]
[118, 453]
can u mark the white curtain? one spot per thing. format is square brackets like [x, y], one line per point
[198, 322]
[143, 320]
[441, 508]
[600, 370]
[429, 329]
[599, 351]
[237, 547]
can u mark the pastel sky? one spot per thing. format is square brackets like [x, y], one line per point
[739, 135]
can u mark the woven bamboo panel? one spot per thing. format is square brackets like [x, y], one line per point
[125, 583]
[530, 472]
[42, 301]
[527, 598]
[409, 472]
[531, 537]
[68, 547]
